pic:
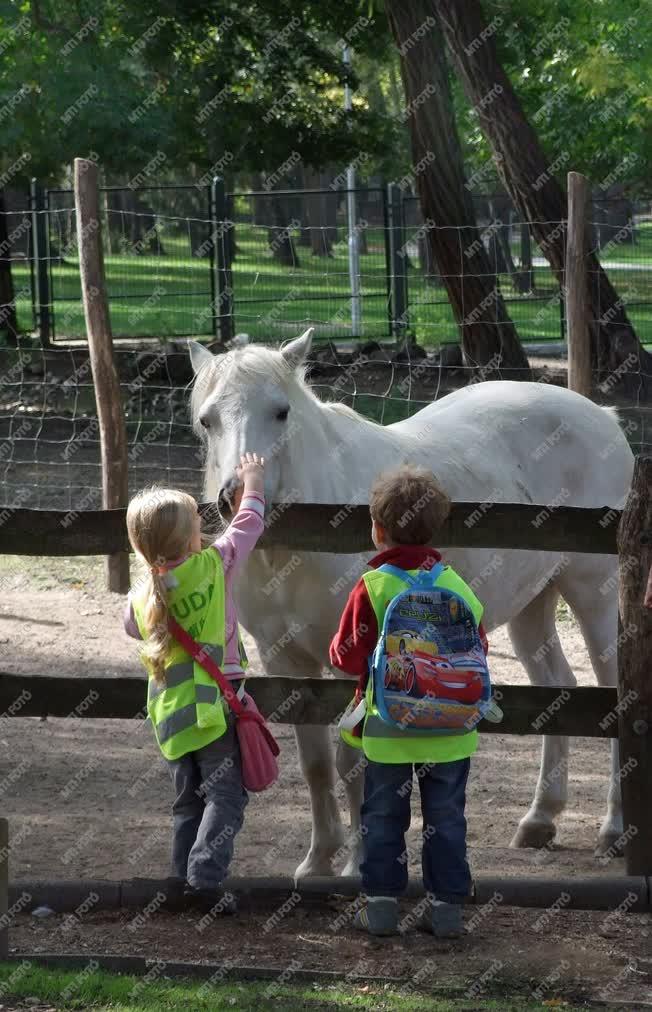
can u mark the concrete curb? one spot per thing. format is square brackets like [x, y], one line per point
[593, 893]
[215, 972]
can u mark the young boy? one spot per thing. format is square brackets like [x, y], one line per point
[407, 509]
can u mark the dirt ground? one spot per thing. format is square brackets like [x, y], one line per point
[76, 810]
[571, 955]
[55, 617]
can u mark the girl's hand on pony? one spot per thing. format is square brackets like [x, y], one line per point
[251, 473]
[250, 464]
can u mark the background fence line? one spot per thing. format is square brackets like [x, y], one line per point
[195, 260]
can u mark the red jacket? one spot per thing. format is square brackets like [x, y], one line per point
[357, 636]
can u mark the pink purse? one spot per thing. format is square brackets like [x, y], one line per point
[258, 746]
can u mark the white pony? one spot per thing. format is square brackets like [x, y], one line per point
[495, 441]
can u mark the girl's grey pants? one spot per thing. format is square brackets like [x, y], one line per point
[208, 810]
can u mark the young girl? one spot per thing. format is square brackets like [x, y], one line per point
[194, 729]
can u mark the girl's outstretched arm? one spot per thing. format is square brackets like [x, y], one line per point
[240, 537]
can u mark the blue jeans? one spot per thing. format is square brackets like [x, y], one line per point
[208, 810]
[386, 819]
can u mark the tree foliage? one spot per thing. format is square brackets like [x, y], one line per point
[583, 74]
[240, 85]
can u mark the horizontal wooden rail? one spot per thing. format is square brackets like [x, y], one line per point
[586, 712]
[316, 527]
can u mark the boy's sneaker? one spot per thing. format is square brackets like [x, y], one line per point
[443, 920]
[209, 901]
[379, 916]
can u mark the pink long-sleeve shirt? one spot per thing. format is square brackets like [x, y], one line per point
[234, 546]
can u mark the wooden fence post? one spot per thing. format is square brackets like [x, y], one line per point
[577, 293]
[634, 682]
[113, 437]
[4, 887]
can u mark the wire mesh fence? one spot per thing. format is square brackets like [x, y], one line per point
[290, 263]
[268, 264]
[192, 260]
[159, 262]
[49, 433]
[621, 238]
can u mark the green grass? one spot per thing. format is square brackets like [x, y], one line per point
[89, 988]
[273, 301]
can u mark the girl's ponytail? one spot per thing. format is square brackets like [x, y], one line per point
[161, 523]
[155, 614]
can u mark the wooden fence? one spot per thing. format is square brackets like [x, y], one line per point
[592, 712]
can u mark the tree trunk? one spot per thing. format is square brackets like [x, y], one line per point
[527, 267]
[529, 177]
[321, 211]
[426, 261]
[500, 250]
[8, 317]
[615, 213]
[270, 212]
[304, 212]
[279, 236]
[124, 223]
[488, 336]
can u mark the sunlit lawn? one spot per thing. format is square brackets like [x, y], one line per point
[168, 295]
[93, 989]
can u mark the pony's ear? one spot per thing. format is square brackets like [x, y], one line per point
[296, 352]
[199, 356]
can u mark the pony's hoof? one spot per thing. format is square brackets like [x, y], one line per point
[352, 867]
[610, 844]
[534, 834]
[314, 864]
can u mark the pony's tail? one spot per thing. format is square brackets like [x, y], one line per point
[157, 645]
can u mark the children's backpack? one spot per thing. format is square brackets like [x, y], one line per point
[429, 669]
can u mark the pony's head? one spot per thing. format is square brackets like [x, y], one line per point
[250, 398]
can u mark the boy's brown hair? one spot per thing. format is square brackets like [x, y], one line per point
[409, 504]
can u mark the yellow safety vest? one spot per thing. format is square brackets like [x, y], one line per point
[382, 742]
[187, 711]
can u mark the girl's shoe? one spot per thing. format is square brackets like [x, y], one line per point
[379, 916]
[208, 902]
[443, 920]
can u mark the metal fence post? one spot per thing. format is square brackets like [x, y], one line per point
[31, 260]
[220, 225]
[38, 203]
[212, 227]
[397, 258]
[388, 260]
[562, 309]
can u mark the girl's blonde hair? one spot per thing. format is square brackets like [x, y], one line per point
[160, 524]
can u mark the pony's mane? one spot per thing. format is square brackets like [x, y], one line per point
[255, 362]
[343, 409]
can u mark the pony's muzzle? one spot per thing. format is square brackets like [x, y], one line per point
[226, 495]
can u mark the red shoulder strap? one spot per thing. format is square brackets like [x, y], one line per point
[203, 657]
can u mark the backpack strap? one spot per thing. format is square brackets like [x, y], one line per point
[426, 576]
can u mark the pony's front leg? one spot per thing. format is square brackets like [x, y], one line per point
[318, 767]
[351, 763]
[537, 827]
[534, 637]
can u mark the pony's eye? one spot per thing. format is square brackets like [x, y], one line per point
[204, 421]
[282, 414]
